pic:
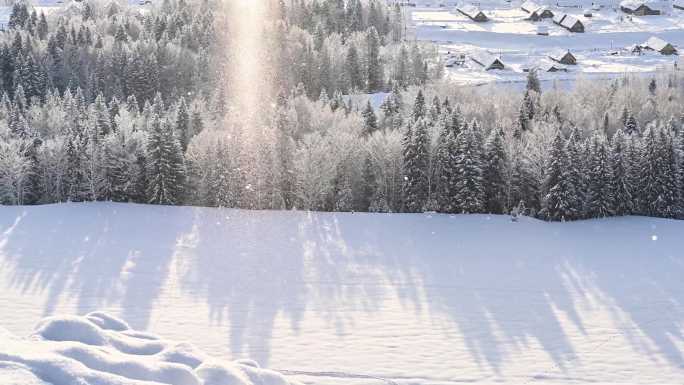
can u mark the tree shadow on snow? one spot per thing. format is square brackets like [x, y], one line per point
[506, 289]
[99, 255]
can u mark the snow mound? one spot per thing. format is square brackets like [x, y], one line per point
[98, 349]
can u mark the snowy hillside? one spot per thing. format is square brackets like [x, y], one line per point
[350, 298]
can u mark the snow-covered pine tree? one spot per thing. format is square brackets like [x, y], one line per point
[668, 202]
[435, 110]
[370, 184]
[220, 191]
[524, 187]
[373, 65]
[165, 168]
[354, 79]
[285, 152]
[401, 68]
[75, 183]
[649, 188]
[631, 126]
[342, 187]
[559, 193]
[416, 159]
[445, 162]
[419, 109]
[624, 115]
[678, 143]
[469, 189]
[15, 171]
[533, 83]
[182, 126]
[600, 199]
[457, 121]
[495, 170]
[101, 118]
[370, 121]
[529, 104]
[576, 171]
[623, 189]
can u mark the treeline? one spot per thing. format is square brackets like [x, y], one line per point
[340, 155]
[580, 174]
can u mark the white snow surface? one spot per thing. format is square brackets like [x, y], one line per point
[336, 298]
[99, 349]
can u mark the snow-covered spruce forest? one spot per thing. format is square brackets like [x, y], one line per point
[105, 101]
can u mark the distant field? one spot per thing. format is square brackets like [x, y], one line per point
[603, 51]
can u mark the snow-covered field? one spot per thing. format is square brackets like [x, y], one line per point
[601, 51]
[362, 298]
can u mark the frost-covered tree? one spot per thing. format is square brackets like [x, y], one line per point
[494, 172]
[600, 198]
[165, 168]
[620, 163]
[469, 189]
[416, 161]
[559, 193]
[15, 171]
[370, 121]
[373, 65]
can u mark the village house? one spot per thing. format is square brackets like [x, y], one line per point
[659, 45]
[473, 13]
[536, 11]
[563, 56]
[487, 61]
[571, 23]
[640, 7]
[549, 66]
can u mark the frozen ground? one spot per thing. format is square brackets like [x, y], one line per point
[351, 298]
[601, 50]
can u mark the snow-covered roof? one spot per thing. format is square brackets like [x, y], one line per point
[549, 66]
[656, 43]
[678, 3]
[569, 21]
[485, 59]
[470, 10]
[635, 4]
[558, 18]
[559, 53]
[531, 7]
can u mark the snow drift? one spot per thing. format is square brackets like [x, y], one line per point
[99, 349]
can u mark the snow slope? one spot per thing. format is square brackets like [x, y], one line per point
[100, 349]
[364, 298]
